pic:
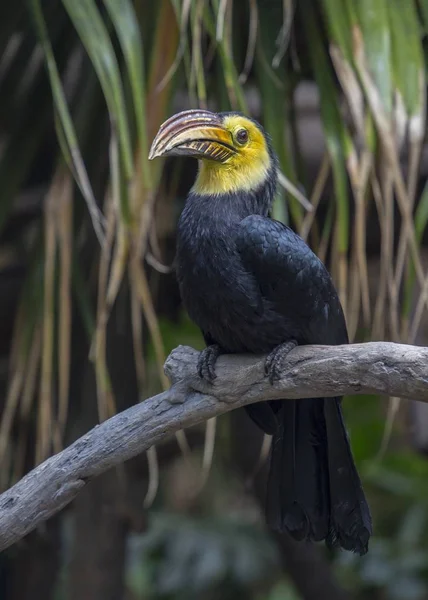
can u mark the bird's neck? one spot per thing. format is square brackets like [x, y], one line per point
[235, 205]
[214, 178]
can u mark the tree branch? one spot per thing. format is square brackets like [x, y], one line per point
[311, 371]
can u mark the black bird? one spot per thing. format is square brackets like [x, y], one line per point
[252, 285]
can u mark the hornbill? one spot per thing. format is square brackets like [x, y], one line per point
[252, 285]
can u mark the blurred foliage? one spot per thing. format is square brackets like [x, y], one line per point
[187, 559]
[396, 564]
[84, 86]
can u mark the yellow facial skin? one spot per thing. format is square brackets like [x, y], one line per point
[243, 171]
[232, 151]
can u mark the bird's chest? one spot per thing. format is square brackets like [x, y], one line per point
[220, 295]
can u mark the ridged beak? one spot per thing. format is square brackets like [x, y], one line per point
[197, 133]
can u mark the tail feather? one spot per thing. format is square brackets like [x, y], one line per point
[297, 496]
[350, 524]
[314, 491]
[282, 507]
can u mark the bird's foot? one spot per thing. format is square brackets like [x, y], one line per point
[206, 362]
[275, 360]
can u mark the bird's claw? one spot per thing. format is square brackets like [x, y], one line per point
[275, 360]
[206, 362]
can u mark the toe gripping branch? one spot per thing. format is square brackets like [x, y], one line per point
[206, 362]
[275, 360]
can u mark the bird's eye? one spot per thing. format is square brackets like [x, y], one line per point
[242, 136]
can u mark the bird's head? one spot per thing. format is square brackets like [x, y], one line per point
[234, 152]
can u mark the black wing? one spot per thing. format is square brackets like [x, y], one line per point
[293, 279]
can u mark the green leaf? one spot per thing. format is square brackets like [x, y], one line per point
[236, 94]
[339, 26]
[125, 22]
[66, 133]
[337, 138]
[407, 55]
[94, 35]
[276, 92]
[373, 18]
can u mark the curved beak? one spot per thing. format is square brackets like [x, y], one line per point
[197, 133]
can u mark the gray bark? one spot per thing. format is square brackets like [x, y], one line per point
[310, 371]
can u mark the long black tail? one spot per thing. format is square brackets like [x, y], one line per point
[314, 491]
